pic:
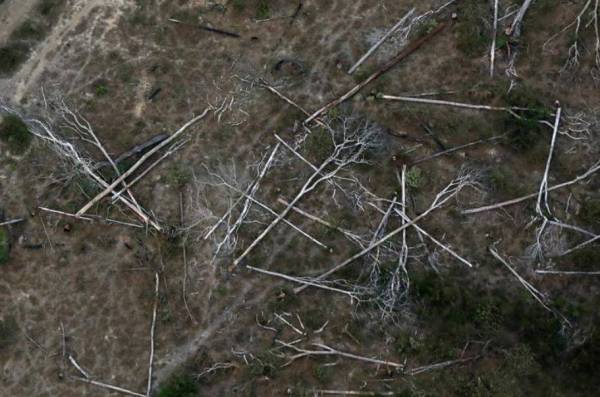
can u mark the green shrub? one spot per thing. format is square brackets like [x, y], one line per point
[472, 37]
[49, 7]
[101, 89]
[590, 211]
[323, 373]
[457, 310]
[415, 177]
[4, 247]
[29, 30]
[12, 56]
[15, 133]
[525, 132]
[584, 361]
[179, 176]
[262, 9]
[180, 385]
[239, 5]
[584, 259]
[505, 182]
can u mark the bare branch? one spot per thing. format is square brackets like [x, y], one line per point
[537, 295]
[515, 28]
[494, 34]
[403, 54]
[381, 41]
[510, 110]
[567, 273]
[325, 350]
[152, 329]
[592, 170]
[12, 222]
[443, 197]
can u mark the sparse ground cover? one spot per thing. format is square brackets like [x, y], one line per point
[251, 208]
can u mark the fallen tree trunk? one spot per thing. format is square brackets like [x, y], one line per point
[136, 150]
[401, 56]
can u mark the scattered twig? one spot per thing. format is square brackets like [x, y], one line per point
[185, 265]
[537, 295]
[434, 240]
[457, 149]
[289, 101]
[543, 191]
[494, 34]
[325, 350]
[510, 110]
[299, 280]
[12, 222]
[579, 246]
[108, 386]
[445, 364]
[354, 393]
[66, 214]
[568, 273]
[78, 367]
[152, 330]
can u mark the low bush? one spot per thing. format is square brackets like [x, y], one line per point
[4, 246]
[525, 132]
[15, 134]
[262, 9]
[29, 30]
[12, 56]
[238, 5]
[179, 385]
[472, 37]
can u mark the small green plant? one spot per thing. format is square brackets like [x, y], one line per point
[414, 177]
[323, 373]
[15, 134]
[179, 176]
[427, 27]
[262, 9]
[4, 247]
[101, 89]
[180, 385]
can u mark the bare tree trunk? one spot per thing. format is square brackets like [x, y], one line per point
[141, 161]
[402, 55]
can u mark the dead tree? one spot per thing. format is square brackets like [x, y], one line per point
[443, 197]
[590, 7]
[80, 163]
[350, 142]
